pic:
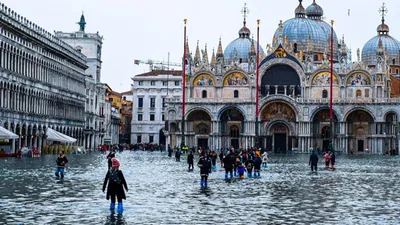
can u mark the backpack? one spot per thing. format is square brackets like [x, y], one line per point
[114, 176]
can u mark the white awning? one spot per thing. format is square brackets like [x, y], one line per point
[53, 135]
[6, 134]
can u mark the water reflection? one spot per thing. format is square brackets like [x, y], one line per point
[363, 190]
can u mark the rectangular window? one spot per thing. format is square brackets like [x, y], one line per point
[140, 83]
[152, 102]
[153, 83]
[176, 83]
[151, 139]
[140, 117]
[139, 139]
[163, 102]
[163, 117]
[152, 117]
[140, 102]
[165, 83]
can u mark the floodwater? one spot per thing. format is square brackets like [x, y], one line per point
[363, 190]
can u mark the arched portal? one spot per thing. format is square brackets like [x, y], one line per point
[321, 129]
[278, 119]
[161, 138]
[359, 130]
[199, 127]
[280, 79]
[231, 128]
[279, 137]
[391, 131]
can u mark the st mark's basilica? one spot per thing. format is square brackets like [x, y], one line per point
[294, 81]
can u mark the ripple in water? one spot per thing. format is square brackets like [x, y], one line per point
[363, 190]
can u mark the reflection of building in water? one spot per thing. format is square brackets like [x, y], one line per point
[294, 91]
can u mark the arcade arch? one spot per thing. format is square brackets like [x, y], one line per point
[199, 127]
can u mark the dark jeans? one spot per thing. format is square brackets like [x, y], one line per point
[113, 199]
[313, 167]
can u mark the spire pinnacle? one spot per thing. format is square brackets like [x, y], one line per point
[252, 48]
[187, 48]
[245, 11]
[220, 53]
[205, 55]
[197, 57]
[213, 59]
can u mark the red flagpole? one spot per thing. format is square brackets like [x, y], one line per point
[258, 62]
[184, 71]
[331, 96]
[257, 77]
[331, 83]
[183, 86]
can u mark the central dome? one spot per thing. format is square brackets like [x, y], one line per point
[300, 29]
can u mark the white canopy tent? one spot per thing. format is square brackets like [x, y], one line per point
[6, 134]
[53, 135]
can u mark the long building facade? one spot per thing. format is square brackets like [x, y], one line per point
[42, 82]
[294, 90]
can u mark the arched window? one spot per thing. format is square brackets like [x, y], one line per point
[295, 47]
[394, 61]
[367, 93]
[204, 94]
[315, 58]
[397, 71]
[236, 94]
[325, 132]
[324, 94]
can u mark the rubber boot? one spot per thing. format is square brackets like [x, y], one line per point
[258, 173]
[226, 175]
[205, 183]
[234, 173]
[201, 183]
[255, 174]
[120, 208]
[248, 174]
[112, 206]
[231, 176]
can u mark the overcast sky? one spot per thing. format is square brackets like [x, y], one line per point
[149, 29]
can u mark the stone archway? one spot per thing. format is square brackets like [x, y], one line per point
[391, 130]
[321, 129]
[199, 128]
[359, 131]
[231, 127]
[278, 119]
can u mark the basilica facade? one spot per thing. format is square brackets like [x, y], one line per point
[294, 89]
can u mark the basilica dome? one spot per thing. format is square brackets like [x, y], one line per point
[389, 44]
[241, 46]
[300, 29]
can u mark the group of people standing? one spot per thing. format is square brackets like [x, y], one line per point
[235, 163]
[329, 157]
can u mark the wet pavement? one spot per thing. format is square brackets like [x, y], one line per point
[363, 190]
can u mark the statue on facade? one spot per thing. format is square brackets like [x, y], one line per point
[358, 55]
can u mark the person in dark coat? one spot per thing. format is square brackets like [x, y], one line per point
[116, 184]
[333, 159]
[190, 159]
[61, 162]
[313, 161]
[228, 165]
[221, 157]
[257, 166]
[178, 155]
[109, 157]
[205, 168]
[170, 151]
